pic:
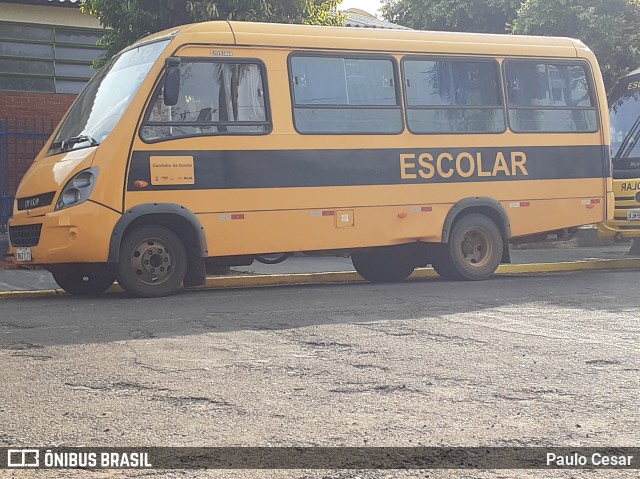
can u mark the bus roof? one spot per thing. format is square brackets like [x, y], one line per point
[365, 39]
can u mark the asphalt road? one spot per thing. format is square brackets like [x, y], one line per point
[525, 361]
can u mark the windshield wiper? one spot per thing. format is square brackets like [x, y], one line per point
[71, 142]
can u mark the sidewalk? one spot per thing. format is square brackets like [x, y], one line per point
[31, 280]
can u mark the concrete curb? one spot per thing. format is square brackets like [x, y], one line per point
[246, 281]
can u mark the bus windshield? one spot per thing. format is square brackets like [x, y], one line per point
[105, 98]
[625, 113]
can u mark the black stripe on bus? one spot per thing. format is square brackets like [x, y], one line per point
[359, 167]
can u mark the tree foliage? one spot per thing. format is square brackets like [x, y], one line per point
[611, 28]
[129, 20]
[485, 16]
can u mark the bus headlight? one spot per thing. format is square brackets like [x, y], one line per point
[78, 189]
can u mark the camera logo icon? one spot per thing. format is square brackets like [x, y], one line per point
[23, 458]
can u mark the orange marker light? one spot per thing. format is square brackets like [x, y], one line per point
[140, 184]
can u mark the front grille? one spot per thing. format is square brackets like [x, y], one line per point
[25, 236]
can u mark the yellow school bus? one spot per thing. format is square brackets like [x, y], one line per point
[223, 142]
[624, 107]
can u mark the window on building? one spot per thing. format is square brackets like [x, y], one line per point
[550, 97]
[445, 96]
[216, 98]
[46, 58]
[345, 95]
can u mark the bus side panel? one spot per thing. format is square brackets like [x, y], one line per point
[285, 191]
[247, 221]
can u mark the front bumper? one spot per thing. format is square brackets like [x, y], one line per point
[619, 230]
[79, 234]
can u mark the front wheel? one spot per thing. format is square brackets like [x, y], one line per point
[83, 279]
[153, 262]
[474, 250]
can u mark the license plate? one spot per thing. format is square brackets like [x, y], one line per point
[23, 254]
[633, 215]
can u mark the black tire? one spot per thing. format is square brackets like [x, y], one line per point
[389, 264]
[84, 280]
[474, 250]
[153, 262]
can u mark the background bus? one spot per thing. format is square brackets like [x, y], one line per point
[624, 108]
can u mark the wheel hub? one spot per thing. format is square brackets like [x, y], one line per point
[152, 261]
[476, 247]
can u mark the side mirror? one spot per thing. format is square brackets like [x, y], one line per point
[171, 89]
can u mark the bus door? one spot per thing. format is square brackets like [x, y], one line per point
[190, 139]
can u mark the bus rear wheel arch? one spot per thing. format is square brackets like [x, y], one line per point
[474, 249]
[153, 261]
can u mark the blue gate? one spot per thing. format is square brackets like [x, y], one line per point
[20, 142]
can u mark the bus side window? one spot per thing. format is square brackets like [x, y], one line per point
[453, 96]
[549, 97]
[344, 95]
[216, 98]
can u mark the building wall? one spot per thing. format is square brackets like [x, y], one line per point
[44, 49]
[32, 105]
[63, 16]
[45, 57]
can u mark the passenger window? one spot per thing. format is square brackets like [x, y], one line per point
[216, 98]
[345, 95]
[549, 97]
[453, 96]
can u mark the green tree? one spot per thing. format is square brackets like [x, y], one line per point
[485, 16]
[611, 28]
[129, 20]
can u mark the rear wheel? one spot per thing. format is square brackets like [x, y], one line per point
[84, 279]
[153, 262]
[474, 250]
[388, 264]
